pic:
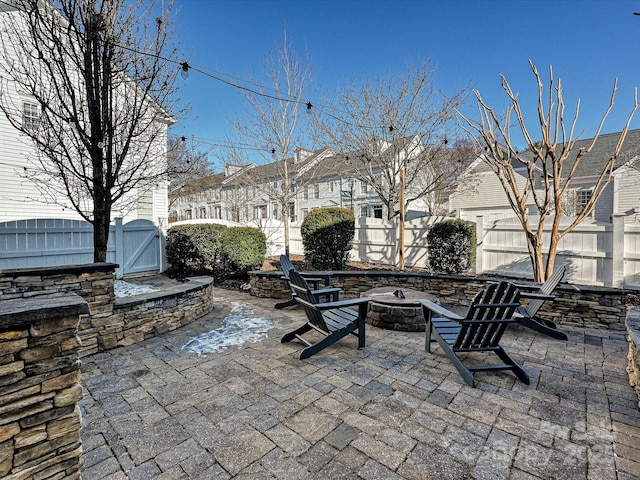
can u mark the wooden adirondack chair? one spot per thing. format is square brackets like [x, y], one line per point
[333, 320]
[480, 330]
[528, 316]
[325, 293]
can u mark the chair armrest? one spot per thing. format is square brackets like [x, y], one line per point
[326, 291]
[439, 310]
[342, 303]
[317, 279]
[537, 296]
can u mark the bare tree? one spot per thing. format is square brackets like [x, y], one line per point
[395, 132]
[101, 74]
[274, 124]
[550, 164]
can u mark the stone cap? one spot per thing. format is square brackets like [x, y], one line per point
[59, 269]
[24, 311]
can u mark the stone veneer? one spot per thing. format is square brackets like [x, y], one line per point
[111, 321]
[633, 332]
[39, 387]
[580, 306]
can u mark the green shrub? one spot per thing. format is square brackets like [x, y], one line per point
[242, 249]
[193, 248]
[451, 246]
[327, 237]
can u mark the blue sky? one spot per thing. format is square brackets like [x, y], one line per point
[588, 42]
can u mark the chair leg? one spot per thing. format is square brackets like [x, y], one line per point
[520, 372]
[316, 347]
[361, 334]
[362, 314]
[287, 337]
[287, 303]
[464, 372]
[545, 327]
[427, 335]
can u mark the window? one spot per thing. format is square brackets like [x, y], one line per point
[275, 185]
[203, 212]
[188, 215]
[261, 212]
[377, 211]
[331, 186]
[274, 210]
[364, 211]
[304, 212]
[316, 191]
[585, 196]
[305, 195]
[30, 116]
[364, 188]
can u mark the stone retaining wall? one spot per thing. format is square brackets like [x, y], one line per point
[39, 387]
[579, 306]
[111, 321]
[633, 332]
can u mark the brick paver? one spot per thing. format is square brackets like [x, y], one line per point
[391, 411]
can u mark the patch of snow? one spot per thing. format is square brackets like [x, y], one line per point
[239, 327]
[126, 289]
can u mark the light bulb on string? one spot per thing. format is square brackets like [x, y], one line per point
[185, 71]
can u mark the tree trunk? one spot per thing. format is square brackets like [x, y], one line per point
[100, 233]
[285, 221]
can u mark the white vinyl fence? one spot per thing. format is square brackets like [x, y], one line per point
[137, 246]
[595, 253]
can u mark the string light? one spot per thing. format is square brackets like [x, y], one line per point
[186, 66]
[185, 71]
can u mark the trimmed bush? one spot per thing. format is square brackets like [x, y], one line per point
[242, 249]
[193, 248]
[327, 237]
[451, 246]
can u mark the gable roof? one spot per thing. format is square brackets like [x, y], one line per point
[593, 164]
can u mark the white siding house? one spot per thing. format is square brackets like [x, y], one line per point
[485, 196]
[327, 181]
[20, 198]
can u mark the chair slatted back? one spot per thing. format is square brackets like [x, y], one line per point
[482, 327]
[307, 299]
[286, 265]
[547, 288]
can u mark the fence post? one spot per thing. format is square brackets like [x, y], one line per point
[479, 244]
[119, 243]
[617, 250]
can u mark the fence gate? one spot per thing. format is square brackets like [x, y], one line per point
[137, 246]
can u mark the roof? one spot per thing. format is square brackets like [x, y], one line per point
[593, 164]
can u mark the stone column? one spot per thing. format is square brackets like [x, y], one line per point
[40, 386]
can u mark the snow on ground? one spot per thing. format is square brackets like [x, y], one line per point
[239, 327]
[126, 289]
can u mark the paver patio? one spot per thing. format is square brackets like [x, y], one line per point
[391, 411]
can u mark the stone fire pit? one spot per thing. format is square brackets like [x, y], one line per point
[393, 310]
